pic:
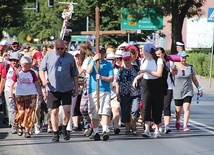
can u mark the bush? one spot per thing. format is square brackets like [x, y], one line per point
[201, 62]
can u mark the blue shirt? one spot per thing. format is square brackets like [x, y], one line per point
[106, 69]
[60, 71]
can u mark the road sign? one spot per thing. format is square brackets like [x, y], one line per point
[143, 24]
[210, 17]
[79, 38]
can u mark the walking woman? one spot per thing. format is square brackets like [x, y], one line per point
[160, 52]
[26, 95]
[152, 89]
[183, 90]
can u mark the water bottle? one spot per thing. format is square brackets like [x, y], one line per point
[200, 90]
[12, 105]
[198, 98]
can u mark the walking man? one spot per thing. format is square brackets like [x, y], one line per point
[105, 77]
[62, 79]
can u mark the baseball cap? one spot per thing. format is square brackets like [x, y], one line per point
[37, 55]
[149, 47]
[126, 55]
[118, 53]
[110, 56]
[14, 56]
[183, 54]
[25, 59]
[15, 42]
[102, 50]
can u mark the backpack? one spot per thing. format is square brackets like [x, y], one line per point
[164, 76]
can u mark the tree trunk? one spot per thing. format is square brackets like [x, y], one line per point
[177, 25]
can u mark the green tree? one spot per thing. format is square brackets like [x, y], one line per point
[11, 13]
[178, 9]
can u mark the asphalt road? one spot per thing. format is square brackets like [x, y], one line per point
[198, 141]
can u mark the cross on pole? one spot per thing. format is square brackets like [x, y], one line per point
[97, 34]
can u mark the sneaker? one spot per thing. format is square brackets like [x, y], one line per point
[146, 134]
[177, 125]
[75, 129]
[88, 132]
[116, 131]
[105, 136]
[27, 135]
[157, 134]
[37, 130]
[167, 130]
[185, 128]
[97, 137]
[160, 129]
[13, 130]
[65, 134]
[49, 129]
[134, 131]
[91, 136]
[55, 137]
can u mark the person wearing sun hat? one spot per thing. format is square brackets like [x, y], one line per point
[27, 87]
[183, 90]
[115, 105]
[127, 95]
[179, 46]
[6, 76]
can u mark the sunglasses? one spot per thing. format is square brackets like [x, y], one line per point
[183, 72]
[60, 48]
[15, 46]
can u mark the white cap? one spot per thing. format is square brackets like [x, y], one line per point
[4, 42]
[25, 59]
[179, 43]
[75, 52]
[110, 56]
[118, 53]
[123, 44]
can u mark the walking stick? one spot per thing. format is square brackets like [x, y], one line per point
[97, 19]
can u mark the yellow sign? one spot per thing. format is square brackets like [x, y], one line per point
[132, 23]
[29, 38]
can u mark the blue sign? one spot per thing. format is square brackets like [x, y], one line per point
[210, 17]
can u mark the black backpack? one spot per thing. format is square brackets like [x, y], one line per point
[165, 74]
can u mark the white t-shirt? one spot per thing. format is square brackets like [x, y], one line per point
[25, 83]
[85, 65]
[9, 75]
[113, 91]
[150, 65]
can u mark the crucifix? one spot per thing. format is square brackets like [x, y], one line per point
[97, 34]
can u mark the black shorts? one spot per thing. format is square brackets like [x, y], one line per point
[180, 102]
[55, 99]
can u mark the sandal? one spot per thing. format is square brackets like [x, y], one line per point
[20, 131]
[27, 135]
